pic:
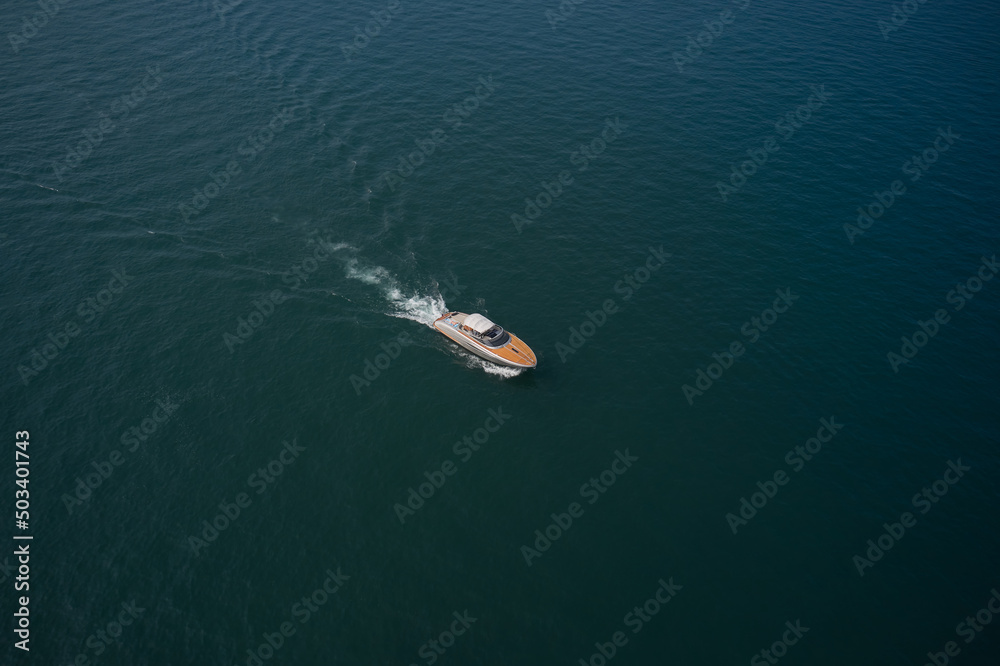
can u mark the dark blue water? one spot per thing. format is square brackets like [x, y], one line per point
[752, 244]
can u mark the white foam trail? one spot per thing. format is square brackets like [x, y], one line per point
[492, 368]
[416, 307]
[423, 309]
[368, 274]
[340, 246]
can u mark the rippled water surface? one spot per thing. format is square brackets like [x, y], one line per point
[750, 242]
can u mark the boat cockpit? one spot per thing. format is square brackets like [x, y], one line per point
[496, 336]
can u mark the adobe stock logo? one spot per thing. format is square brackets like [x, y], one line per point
[970, 628]
[581, 158]
[795, 458]
[592, 491]
[373, 28]
[635, 619]
[229, 512]
[959, 296]
[779, 648]
[630, 283]
[785, 127]
[256, 142]
[900, 15]
[31, 26]
[100, 640]
[436, 647]
[438, 476]
[302, 610]
[703, 40]
[566, 9]
[407, 164]
[752, 329]
[117, 111]
[916, 167]
[88, 310]
[373, 370]
[135, 436]
[924, 500]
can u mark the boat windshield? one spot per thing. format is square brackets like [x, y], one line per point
[496, 336]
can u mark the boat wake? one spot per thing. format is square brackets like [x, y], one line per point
[416, 307]
[504, 372]
[422, 308]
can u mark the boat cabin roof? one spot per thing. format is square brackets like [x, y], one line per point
[478, 323]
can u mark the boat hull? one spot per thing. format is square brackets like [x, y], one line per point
[513, 354]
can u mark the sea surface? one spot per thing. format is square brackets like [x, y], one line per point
[753, 245]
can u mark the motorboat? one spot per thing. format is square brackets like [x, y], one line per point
[484, 338]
